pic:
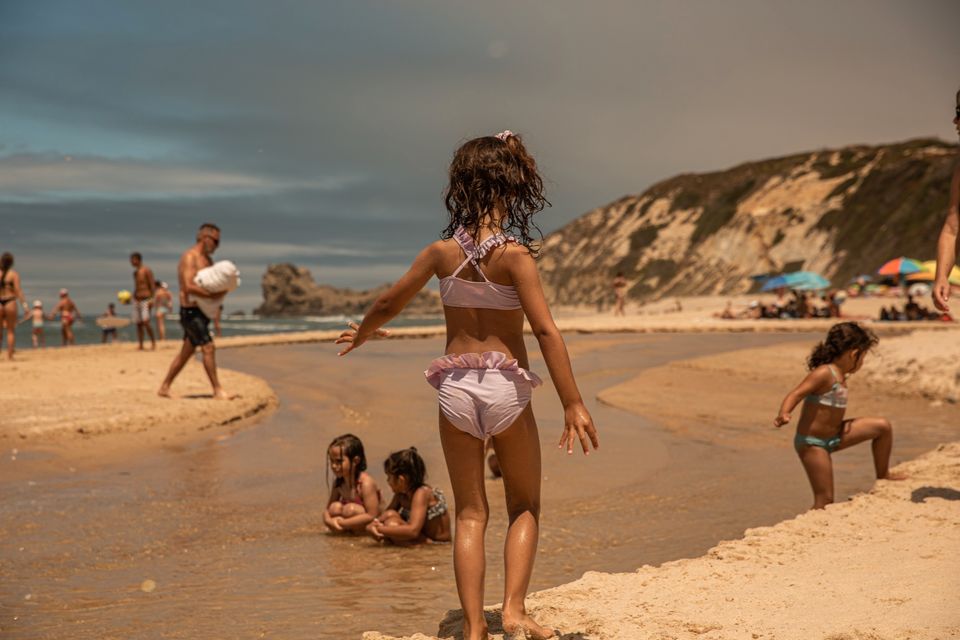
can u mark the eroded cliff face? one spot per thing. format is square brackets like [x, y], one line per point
[837, 212]
[289, 290]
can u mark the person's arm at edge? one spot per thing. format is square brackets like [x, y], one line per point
[577, 420]
[327, 518]
[947, 245]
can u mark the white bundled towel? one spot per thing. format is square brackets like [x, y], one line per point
[221, 277]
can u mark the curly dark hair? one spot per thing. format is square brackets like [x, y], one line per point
[841, 338]
[488, 172]
[409, 464]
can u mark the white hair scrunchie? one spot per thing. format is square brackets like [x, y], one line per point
[503, 135]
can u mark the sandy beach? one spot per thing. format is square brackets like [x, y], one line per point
[226, 518]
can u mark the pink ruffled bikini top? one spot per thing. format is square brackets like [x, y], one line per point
[457, 292]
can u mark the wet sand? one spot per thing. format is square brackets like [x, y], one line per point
[228, 526]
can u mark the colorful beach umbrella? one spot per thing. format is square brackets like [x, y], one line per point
[900, 266]
[929, 273]
[798, 280]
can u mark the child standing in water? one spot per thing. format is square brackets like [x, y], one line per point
[418, 512]
[488, 284]
[355, 499]
[822, 428]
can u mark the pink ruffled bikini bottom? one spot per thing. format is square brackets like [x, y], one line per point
[481, 393]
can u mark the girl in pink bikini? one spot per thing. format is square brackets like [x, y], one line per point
[489, 284]
[355, 500]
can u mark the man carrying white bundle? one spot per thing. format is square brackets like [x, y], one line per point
[196, 325]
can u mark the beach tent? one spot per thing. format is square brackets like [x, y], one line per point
[899, 267]
[798, 280]
[929, 272]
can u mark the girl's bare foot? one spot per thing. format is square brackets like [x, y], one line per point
[523, 627]
[164, 392]
[478, 634]
[895, 475]
[220, 394]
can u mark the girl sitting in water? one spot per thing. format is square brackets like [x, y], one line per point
[355, 499]
[489, 285]
[418, 512]
[822, 428]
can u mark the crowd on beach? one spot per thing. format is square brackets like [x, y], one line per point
[151, 303]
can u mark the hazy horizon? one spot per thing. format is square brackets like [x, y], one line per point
[319, 133]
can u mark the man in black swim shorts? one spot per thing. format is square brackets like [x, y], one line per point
[196, 325]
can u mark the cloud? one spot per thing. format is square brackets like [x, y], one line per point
[33, 177]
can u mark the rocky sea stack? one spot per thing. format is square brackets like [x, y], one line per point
[837, 212]
[289, 290]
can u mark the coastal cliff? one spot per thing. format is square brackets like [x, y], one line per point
[838, 212]
[289, 290]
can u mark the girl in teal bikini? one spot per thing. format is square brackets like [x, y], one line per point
[822, 428]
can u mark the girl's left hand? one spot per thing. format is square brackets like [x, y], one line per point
[351, 337]
[578, 424]
[337, 523]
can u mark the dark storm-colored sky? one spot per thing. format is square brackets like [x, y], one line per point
[319, 132]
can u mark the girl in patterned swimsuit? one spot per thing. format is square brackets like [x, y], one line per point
[822, 428]
[355, 499]
[418, 512]
[489, 285]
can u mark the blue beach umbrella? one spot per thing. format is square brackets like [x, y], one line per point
[799, 280]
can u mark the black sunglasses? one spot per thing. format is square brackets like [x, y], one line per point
[958, 111]
[216, 241]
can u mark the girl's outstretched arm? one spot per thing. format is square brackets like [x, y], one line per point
[418, 517]
[577, 420]
[819, 378]
[392, 301]
[947, 245]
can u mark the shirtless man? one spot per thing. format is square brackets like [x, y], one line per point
[196, 326]
[947, 245]
[144, 287]
[69, 313]
[10, 294]
[620, 294]
[163, 304]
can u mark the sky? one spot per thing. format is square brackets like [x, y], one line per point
[319, 133]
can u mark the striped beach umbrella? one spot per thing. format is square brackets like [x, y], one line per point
[929, 273]
[900, 266]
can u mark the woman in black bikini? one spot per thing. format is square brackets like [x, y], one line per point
[10, 292]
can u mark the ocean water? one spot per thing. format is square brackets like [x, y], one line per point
[87, 332]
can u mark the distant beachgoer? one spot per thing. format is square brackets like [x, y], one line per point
[10, 293]
[488, 283]
[163, 304]
[35, 316]
[355, 500]
[948, 244]
[109, 334]
[418, 512]
[822, 428]
[620, 294]
[144, 286]
[196, 326]
[69, 314]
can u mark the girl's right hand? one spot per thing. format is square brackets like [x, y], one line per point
[941, 294]
[353, 339]
[781, 420]
[578, 424]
